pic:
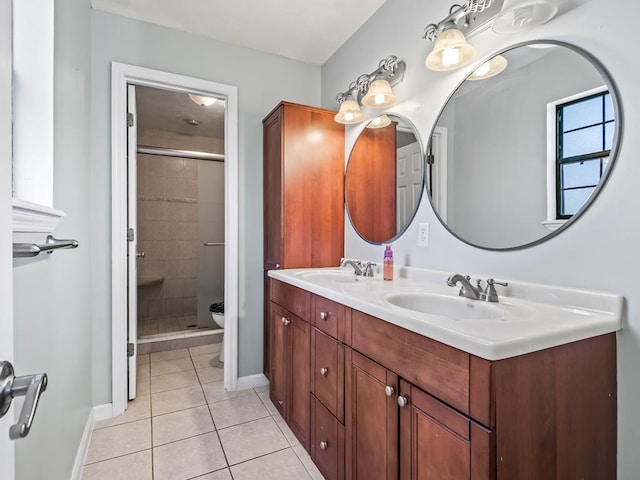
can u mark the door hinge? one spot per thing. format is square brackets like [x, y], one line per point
[130, 349]
[131, 236]
[130, 120]
[431, 159]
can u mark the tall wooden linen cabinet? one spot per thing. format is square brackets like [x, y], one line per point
[303, 193]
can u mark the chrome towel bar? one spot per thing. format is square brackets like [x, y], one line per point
[213, 244]
[21, 250]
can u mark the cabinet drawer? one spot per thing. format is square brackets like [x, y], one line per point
[328, 316]
[327, 442]
[327, 372]
[438, 369]
[292, 298]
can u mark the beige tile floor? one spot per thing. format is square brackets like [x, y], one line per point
[185, 425]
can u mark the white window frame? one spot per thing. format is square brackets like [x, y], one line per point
[552, 222]
[33, 54]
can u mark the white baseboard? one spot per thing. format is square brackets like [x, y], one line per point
[252, 381]
[99, 412]
[102, 412]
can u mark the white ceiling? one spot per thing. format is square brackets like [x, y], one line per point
[306, 30]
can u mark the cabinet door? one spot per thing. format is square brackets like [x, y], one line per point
[297, 412]
[371, 420]
[278, 361]
[439, 443]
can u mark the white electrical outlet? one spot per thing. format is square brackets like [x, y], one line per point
[423, 234]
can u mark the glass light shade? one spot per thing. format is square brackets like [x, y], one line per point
[451, 51]
[522, 15]
[489, 68]
[202, 101]
[349, 112]
[379, 95]
[379, 122]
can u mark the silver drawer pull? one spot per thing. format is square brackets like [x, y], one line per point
[389, 390]
[324, 445]
[324, 315]
[324, 371]
[403, 401]
[286, 321]
[30, 387]
[140, 254]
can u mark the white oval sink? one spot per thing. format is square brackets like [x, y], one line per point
[332, 277]
[458, 308]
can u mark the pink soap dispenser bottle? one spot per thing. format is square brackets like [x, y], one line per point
[387, 269]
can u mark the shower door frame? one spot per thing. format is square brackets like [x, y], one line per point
[123, 75]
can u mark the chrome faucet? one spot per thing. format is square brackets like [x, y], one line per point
[466, 289]
[490, 294]
[475, 293]
[357, 266]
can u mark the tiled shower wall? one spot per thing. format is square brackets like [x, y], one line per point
[168, 234]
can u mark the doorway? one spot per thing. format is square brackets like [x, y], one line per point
[126, 256]
[180, 218]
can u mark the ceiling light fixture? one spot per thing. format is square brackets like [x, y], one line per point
[202, 100]
[371, 90]
[450, 35]
[489, 69]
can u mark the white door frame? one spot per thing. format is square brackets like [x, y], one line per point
[132, 245]
[121, 75]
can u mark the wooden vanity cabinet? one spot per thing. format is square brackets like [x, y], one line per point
[327, 387]
[303, 193]
[289, 379]
[403, 406]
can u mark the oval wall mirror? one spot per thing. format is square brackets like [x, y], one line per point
[385, 178]
[520, 155]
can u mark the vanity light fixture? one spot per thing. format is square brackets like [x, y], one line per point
[379, 122]
[371, 90]
[202, 100]
[489, 69]
[451, 49]
[349, 112]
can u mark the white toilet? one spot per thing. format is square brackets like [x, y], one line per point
[219, 319]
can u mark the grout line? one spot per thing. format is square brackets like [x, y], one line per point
[117, 456]
[266, 455]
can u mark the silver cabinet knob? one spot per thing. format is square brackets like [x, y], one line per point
[389, 390]
[286, 321]
[140, 254]
[403, 401]
[324, 445]
[30, 387]
[324, 315]
[324, 371]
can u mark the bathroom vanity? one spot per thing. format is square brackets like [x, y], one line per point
[374, 390]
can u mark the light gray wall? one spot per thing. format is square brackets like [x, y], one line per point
[51, 292]
[599, 251]
[262, 80]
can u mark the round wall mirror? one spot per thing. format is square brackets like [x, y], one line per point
[520, 154]
[385, 178]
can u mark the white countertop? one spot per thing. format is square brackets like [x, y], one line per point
[528, 317]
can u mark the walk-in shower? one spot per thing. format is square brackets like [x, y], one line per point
[180, 214]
